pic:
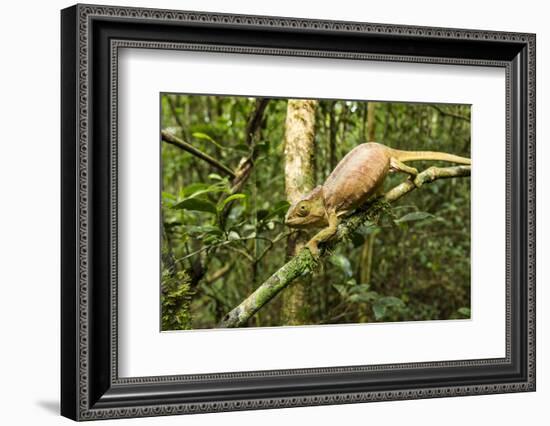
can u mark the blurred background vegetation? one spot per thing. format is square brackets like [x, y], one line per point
[223, 229]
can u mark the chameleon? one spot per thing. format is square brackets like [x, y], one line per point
[355, 179]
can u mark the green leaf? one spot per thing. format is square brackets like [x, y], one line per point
[464, 312]
[362, 288]
[210, 239]
[351, 282]
[233, 235]
[168, 196]
[205, 137]
[381, 306]
[224, 202]
[168, 199]
[409, 217]
[340, 289]
[354, 298]
[342, 263]
[391, 301]
[363, 297]
[244, 226]
[379, 311]
[196, 204]
[193, 188]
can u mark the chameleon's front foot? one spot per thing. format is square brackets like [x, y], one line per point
[313, 248]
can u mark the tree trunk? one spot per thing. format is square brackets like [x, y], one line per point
[368, 245]
[299, 180]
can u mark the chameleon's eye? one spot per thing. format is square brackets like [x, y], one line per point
[303, 210]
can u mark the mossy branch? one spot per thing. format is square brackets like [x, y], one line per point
[303, 263]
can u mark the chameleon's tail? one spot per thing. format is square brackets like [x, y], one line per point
[428, 155]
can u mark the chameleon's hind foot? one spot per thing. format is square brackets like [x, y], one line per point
[417, 182]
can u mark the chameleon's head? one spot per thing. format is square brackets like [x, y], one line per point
[308, 212]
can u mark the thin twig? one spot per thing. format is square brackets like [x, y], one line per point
[175, 116]
[242, 252]
[216, 275]
[450, 114]
[173, 140]
[244, 169]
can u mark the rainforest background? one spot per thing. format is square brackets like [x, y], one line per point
[226, 190]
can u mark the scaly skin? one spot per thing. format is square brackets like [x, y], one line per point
[356, 178]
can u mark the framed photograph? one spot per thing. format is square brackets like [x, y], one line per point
[263, 212]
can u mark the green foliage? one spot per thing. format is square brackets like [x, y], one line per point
[175, 299]
[409, 217]
[197, 205]
[227, 200]
[223, 243]
[366, 299]
[343, 263]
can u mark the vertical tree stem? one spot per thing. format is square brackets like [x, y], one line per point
[299, 179]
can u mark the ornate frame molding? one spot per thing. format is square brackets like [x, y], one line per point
[87, 402]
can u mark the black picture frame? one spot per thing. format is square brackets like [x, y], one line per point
[90, 386]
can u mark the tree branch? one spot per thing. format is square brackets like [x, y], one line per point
[244, 169]
[450, 114]
[173, 140]
[252, 128]
[303, 263]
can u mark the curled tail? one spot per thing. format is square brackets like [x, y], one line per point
[428, 155]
